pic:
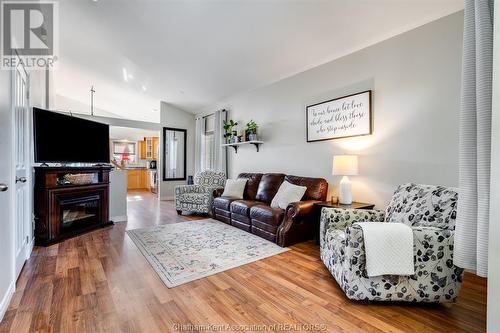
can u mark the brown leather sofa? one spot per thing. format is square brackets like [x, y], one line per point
[254, 214]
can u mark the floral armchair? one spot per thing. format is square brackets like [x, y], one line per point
[198, 198]
[431, 212]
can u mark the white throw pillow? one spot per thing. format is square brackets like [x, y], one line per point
[287, 193]
[234, 188]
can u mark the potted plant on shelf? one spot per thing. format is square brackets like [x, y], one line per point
[251, 130]
[228, 129]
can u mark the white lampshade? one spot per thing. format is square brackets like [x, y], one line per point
[345, 165]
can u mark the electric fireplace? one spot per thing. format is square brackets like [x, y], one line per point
[65, 206]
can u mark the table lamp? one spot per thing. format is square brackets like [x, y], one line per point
[345, 165]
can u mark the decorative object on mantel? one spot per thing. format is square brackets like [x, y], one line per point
[251, 131]
[340, 117]
[79, 178]
[228, 129]
[236, 145]
[345, 165]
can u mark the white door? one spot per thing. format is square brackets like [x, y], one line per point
[6, 181]
[22, 200]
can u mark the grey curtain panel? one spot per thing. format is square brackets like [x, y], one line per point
[471, 237]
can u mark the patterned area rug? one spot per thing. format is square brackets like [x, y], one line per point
[187, 251]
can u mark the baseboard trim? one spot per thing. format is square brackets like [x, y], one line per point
[120, 218]
[31, 245]
[167, 198]
[4, 305]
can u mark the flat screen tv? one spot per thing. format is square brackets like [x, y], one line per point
[62, 138]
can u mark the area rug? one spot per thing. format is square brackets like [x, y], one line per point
[187, 251]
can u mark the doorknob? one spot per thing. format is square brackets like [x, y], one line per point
[3, 187]
[21, 179]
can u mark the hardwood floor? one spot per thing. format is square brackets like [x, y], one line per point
[100, 282]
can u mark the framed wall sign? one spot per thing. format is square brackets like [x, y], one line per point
[340, 117]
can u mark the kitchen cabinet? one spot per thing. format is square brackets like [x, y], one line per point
[148, 148]
[142, 150]
[156, 141]
[137, 179]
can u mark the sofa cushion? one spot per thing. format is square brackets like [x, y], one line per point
[287, 193]
[234, 188]
[268, 186]
[253, 180]
[317, 188]
[423, 206]
[209, 178]
[242, 207]
[224, 202]
[267, 214]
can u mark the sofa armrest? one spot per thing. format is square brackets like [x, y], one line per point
[181, 189]
[433, 251]
[433, 255]
[296, 210]
[218, 192]
[298, 223]
[342, 218]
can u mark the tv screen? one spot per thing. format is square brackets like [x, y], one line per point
[65, 139]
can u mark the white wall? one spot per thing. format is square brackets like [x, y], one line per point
[64, 103]
[130, 134]
[415, 78]
[176, 118]
[118, 195]
[494, 245]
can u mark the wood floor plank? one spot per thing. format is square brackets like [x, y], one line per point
[100, 282]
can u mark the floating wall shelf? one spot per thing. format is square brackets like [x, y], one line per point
[236, 145]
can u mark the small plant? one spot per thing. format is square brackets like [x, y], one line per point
[252, 127]
[228, 128]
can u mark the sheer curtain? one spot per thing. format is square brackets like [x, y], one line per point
[199, 151]
[220, 158]
[471, 237]
[209, 153]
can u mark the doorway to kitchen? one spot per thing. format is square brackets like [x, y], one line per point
[135, 152]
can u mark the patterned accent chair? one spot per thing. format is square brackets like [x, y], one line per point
[431, 212]
[198, 198]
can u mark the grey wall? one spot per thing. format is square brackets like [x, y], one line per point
[176, 118]
[415, 78]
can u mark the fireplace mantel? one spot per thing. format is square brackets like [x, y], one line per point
[64, 209]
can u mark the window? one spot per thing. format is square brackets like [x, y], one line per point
[124, 151]
[208, 145]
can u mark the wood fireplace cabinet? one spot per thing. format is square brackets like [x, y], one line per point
[64, 209]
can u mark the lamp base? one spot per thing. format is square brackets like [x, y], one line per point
[345, 192]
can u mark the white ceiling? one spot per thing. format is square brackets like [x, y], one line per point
[193, 53]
